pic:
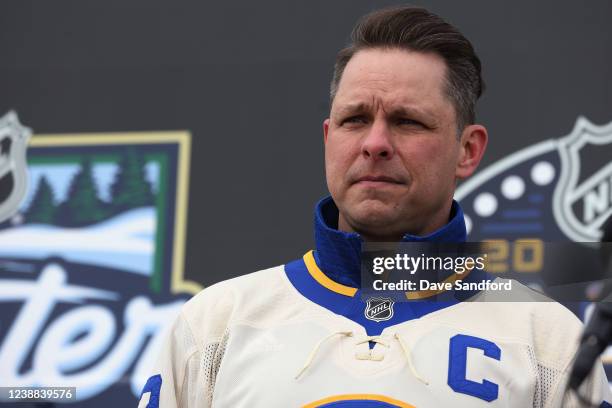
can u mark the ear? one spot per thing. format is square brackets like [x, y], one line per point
[325, 130]
[473, 141]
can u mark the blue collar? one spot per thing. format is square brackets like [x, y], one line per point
[338, 252]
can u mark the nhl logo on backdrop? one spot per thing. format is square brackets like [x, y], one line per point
[379, 309]
[555, 187]
[582, 202]
[13, 167]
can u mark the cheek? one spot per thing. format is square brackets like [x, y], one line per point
[431, 162]
[338, 158]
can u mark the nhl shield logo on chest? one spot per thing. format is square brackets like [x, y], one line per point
[379, 309]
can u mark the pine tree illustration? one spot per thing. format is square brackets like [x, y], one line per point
[42, 209]
[83, 205]
[130, 188]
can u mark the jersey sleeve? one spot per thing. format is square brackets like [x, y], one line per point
[556, 341]
[185, 372]
[594, 391]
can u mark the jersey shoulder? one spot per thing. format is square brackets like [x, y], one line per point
[260, 298]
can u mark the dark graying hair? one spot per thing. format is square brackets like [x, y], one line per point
[417, 29]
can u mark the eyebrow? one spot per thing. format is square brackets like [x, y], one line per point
[397, 111]
[353, 107]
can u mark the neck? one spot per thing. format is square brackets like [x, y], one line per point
[390, 234]
[338, 251]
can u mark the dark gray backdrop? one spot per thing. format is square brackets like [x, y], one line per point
[250, 81]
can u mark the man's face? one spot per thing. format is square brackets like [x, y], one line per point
[392, 154]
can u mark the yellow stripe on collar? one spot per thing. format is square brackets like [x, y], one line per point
[323, 280]
[326, 282]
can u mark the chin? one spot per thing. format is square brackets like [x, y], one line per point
[375, 216]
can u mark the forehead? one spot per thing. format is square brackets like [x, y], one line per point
[394, 76]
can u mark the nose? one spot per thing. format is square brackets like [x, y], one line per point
[377, 143]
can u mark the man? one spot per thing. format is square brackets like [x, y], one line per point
[401, 132]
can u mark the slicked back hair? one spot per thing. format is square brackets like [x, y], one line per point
[417, 29]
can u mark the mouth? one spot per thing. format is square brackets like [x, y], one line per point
[377, 180]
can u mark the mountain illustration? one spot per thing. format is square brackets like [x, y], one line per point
[125, 242]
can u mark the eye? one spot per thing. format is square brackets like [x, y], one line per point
[354, 120]
[408, 122]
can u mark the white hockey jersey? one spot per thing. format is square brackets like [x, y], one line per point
[290, 336]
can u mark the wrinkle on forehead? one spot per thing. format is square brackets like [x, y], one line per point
[394, 81]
